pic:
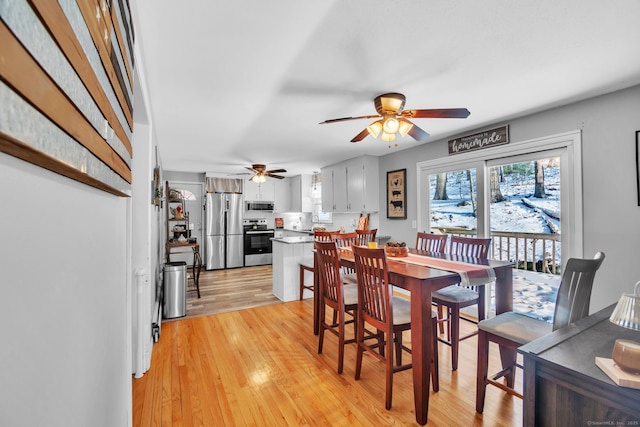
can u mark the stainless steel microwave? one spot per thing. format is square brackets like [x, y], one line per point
[258, 206]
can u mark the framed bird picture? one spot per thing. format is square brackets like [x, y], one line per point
[396, 194]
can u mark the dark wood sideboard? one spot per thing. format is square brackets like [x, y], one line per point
[564, 387]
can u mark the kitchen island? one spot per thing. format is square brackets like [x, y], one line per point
[288, 252]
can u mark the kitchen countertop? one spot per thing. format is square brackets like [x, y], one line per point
[298, 230]
[293, 239]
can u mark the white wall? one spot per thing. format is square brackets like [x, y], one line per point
[63, 281]
[611, 215]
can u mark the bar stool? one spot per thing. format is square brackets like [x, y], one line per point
[306, 265]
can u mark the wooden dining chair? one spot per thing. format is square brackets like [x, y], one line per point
[324, 236]
[366, 236]
[389, 314]
[335, 295]
[452, 298]
[306, 265]
[346, 241]
[431, 242]
[511, 330]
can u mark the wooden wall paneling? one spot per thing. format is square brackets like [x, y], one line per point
[27, 153]
[118, 66]
[21, 124]
[118, 61]
[93, 17]
[124, 18]
[125, 51]
[117, 56]
[54, 19]
[28, 79]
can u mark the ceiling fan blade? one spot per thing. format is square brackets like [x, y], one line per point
[349, 118]
[362, 135]
[276, 176]
[417, 133]
[438, 113]
[275, 171]
[251, 169]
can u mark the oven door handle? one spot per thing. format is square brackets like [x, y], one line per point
[259, 232]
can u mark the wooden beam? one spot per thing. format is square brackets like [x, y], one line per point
[29, 154]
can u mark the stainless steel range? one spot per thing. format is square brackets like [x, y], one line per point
[257, 242]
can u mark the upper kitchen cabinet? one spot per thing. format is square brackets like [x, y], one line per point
[334, 188]
[259, 192]
[282, 195]
[301, 194]
[351, 186]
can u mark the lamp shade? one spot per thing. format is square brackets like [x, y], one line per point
[259, 179]
[375, 128]
[387, 137]
[391, 125]
[405, 127]
[627, 311]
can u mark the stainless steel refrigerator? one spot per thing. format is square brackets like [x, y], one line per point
[223, 228]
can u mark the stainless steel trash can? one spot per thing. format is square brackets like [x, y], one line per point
[175, 290]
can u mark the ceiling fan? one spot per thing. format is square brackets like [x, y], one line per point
[393, 119]
[261, 173]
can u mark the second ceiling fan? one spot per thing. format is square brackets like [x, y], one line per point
[261, 173]
[393, 119]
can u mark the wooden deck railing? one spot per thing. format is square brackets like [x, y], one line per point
[528, 251]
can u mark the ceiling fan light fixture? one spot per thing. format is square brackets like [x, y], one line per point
[375, 128]
[391, 125]
[259, 179]
[404, 127]
[388, 137]
[389, 103]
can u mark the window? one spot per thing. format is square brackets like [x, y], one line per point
[460, 214]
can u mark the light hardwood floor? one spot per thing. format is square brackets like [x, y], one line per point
[230, 290]
[260, 366]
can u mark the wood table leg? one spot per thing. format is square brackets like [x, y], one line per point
[421, 349]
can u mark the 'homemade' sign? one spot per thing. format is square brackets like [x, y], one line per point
[487, 138]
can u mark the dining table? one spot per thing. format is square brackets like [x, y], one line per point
[421, 280]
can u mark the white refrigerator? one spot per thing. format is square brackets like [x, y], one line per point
[223, 231]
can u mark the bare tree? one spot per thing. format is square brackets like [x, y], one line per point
[472, 194]
[441, 187]
[539, 187]
[494, 184]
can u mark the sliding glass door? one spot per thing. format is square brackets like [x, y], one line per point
[453, 202]
[525, 210]
[527, 197]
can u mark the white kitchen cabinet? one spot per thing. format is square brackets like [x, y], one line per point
[362, 184]
[326, 175]
[301, 194]
[282, 195]
[334, 188]
[287, 256]
[351, 186]
[259, 192]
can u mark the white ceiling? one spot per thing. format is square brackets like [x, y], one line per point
[233, 83]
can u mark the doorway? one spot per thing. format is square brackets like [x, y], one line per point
[526, 196]
[192, 192]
